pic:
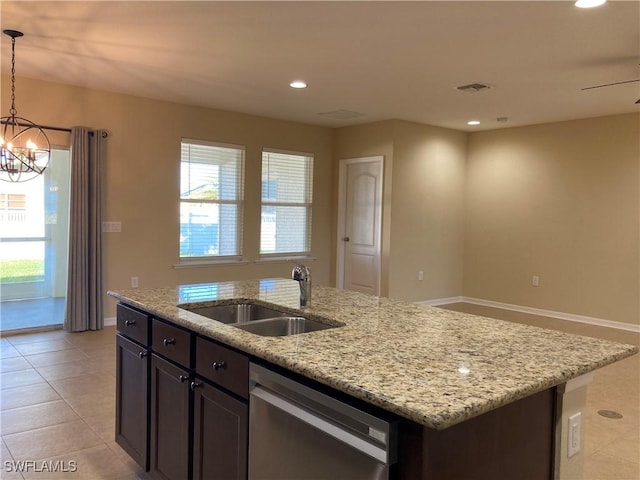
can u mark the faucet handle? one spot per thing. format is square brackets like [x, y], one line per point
[301, 273]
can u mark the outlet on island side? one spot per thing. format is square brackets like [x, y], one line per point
[420, 275]
[535, 281]
[574, 433]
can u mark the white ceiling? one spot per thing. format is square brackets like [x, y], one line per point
[384, 60]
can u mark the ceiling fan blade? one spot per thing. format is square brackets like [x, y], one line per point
[610, 84]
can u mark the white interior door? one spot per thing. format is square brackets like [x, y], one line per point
[360, 224]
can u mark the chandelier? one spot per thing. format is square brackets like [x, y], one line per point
[24, 147]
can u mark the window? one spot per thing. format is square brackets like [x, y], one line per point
[287, 180]
[211, 196]
[13, 201]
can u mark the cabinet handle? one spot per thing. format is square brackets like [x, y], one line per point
[142, 354]
[218, 365]
[128, 323]
[183, 378]
[195, 384]
[168, 341]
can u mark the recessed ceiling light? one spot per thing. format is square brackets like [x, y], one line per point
[298, 84]
[473, 122]
[589, 3]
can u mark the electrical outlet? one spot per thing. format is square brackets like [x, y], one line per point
[420, 275]
[535, 281]
[574, 434]
[134, 282]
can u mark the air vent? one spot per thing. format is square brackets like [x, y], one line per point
[342, 114]
[473, 87]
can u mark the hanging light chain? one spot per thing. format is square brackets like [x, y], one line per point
[24, 146]
[13, 110]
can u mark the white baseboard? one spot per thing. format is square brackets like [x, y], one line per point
[109, 321]
[601, 322]
[441, 301]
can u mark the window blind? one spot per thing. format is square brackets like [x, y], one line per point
[211, 199]
[287, 193]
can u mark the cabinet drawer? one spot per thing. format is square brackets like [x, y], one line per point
[171, 342]
[223, 366]
[133, 324]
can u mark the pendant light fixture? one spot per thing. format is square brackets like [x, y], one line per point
[24, 147]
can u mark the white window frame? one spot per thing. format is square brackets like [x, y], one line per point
[204, 260]
[307, 204]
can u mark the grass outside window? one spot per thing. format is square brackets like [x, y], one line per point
[14, 271]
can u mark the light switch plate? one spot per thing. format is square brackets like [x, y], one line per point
[112, 227]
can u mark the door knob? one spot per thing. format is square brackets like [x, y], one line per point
[345, 239]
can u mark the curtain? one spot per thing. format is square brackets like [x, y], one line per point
[84, 279]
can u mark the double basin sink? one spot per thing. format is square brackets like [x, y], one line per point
[259, 319]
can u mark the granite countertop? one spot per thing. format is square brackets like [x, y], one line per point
[433, 366]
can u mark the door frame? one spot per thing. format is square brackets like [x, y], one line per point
[342, 206]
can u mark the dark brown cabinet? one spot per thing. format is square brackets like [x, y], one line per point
[220, 435]
[181, 401]
[170, 421]
[132, 432]
[132, 385]
[133, 324]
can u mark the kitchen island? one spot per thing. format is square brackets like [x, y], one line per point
[441, 371]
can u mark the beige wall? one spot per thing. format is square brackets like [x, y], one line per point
[560, 201]
[427, 229]
[423, 204]
[141, 178]
[479, 214]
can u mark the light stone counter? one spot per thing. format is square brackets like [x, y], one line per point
[433, 366]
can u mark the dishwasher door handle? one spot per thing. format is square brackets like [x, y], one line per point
[319, 423]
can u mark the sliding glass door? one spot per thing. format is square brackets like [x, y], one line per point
[34, 226]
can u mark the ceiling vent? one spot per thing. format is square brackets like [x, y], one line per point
[473, 87]
[342, 114]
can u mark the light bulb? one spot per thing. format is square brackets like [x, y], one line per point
[589, 3]
[31, 145]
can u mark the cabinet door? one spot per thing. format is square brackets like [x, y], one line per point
[132, 400]
[169, 420]
[220, 435]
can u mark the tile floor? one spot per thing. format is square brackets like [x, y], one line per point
[58, 405]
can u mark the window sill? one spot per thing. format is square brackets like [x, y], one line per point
[209, 263]
[286, 259]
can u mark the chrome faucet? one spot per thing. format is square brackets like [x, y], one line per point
[302, 275]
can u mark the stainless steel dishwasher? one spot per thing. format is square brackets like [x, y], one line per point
[298, 433]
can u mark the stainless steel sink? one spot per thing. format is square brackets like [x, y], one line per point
[238, 313]
[260, 320]
[283, 326]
